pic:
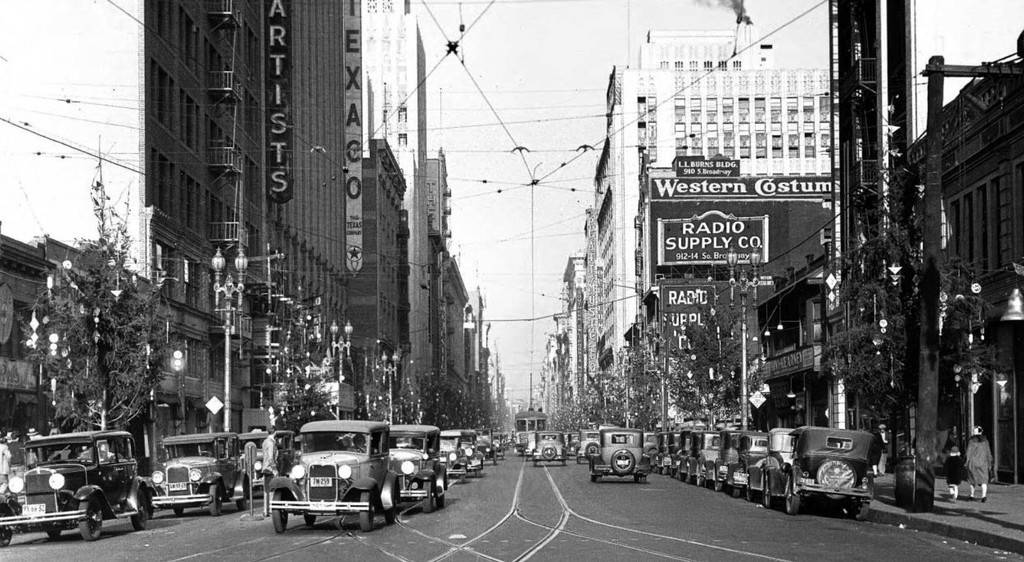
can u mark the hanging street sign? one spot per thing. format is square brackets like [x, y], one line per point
[214, 405]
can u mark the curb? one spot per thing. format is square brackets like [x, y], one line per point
[955, 532]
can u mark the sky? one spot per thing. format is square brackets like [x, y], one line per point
[543, 66]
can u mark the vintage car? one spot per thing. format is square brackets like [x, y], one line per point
[621, 454]
[342, 468]
[590, 444]
[572, 443]
[285, 454]
[766, 474]
[661, 461]
[485, 445]
[650, 444]
[685, 459]
[414, 452]
[461, 458]
[550, 447]
[77, 480]
[830, 464]
[201, 470]
[751, 447]
[728, 453]
[706, 449]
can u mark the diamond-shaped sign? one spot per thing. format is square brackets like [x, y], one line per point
[831, 281]
[214, 405]
[757, 399]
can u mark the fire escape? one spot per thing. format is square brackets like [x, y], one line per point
[224, 157]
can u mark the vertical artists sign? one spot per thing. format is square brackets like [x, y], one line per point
[280, 144]
[353, 60]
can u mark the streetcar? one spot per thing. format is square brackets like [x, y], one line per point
[526, 423]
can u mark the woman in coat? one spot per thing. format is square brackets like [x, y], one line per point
[979, 463]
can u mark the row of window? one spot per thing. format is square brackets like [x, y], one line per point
[694, 65]
[980, 221]
[185, 40]
[697, 109]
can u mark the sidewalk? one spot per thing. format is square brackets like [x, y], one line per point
[997, 523]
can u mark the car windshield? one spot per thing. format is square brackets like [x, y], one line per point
[593, 435]
[712, 442]
[77, 452]
[449, 443]
[257, 440]
[551, 436]
[189, 450]
[418, 443]
[622, 439]
[334, 441]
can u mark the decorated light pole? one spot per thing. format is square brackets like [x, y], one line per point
[345, 343]
[390, 369]
[747, 283]
[230, 291]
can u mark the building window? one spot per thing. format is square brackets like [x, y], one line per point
[759, 109]
[776, 146]
[712, 110]
[680, 110]
[794, 146]
[824, 109]
[403, 114]
[727, 107]
[762, 145]
[737, 65]
[808, 110]
[744, 146]
[776, 110]
[403, 140]
[679, 66]
[663, 65]
[709, 65]
[681, 146]
[809, 145]
[744, 110]
[723, 65]
[693, 66]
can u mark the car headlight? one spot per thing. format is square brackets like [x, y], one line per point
[257, 466]
[452, 457]
[56, 481]
[488, 449]
[16, 485]
[158, 477]
[345, 471]
[468, 451]
[297, 472]
[425, 456]
[408, 467]
[195, 475]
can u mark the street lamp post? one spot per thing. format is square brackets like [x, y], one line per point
[230, 290]
[747, 283]
[336, 347]
[389, 371]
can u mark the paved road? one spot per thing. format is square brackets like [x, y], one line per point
[519, 512]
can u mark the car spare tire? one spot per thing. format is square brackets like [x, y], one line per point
[548, 453]
[591, 450]
[623, 461]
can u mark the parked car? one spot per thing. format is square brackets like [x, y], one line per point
[286, 452]
[78, 480]
[686, 461]
[590, 444]
[550, 447]
[485, 445]
[415, 457]
[343, 468]
[830, 464]
[572, 443]
[650, 443]
[201, 470]
[460, 455]
[765, 476]
[728, 452]
[621, 454]
[752, 446]
[661, 462]
[706, 448]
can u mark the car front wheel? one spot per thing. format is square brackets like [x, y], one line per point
[141, 518]
[279, 516]
[430, 502]
[5, 536]
[792, 499]
[766, 491]
[366, 517]
[215, 503]
[91, 527]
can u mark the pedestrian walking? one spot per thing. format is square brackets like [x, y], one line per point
[5, 463]
[954, 466]
[979, 463]
[269, 466]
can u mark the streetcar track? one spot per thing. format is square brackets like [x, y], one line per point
[555, 531]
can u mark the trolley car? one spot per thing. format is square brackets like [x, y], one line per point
[526, 423]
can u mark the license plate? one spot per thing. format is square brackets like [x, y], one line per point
[176, 486]
[739, 478]
[320, 482]
[33, 509]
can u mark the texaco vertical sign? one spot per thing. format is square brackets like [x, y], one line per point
[353, 59]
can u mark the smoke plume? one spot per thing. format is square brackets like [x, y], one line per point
[735, 5]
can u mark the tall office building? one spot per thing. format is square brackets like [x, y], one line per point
[395, 98]
[695, 94]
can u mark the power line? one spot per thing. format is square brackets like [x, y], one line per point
[97, 156]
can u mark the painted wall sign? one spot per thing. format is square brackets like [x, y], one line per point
[706, 239]
[684, 304]
[353, 60]
[698, 166]
[280, 142]
[741, 188]
[795, 361]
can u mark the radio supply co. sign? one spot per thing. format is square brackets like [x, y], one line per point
[684, 303]
[706, 239]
